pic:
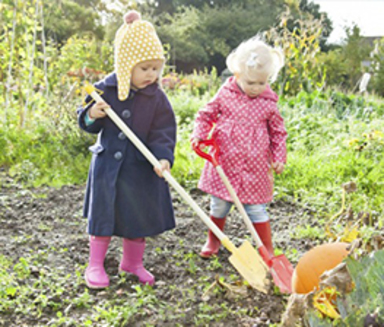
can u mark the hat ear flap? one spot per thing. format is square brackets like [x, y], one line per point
[123, 65]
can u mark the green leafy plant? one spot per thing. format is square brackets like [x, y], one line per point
[366, 297]
[301, 46]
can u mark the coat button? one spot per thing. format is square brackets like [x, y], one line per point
[121, 136]
[126, 114]
[118, 155]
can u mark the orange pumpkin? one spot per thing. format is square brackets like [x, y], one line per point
[314, 263]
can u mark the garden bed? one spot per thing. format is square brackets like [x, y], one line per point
[45, 250]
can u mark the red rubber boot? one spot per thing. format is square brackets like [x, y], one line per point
[264, 231]
[212, 245]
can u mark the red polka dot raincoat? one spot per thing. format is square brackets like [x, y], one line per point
[250, 134]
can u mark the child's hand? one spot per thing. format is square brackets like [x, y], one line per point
[278, 167]
[97, 110]
[165, 165]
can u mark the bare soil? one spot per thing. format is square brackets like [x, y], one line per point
[49, 218]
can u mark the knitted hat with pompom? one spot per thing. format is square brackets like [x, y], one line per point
[135, 41]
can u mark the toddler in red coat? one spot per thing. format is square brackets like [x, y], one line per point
[251, 136]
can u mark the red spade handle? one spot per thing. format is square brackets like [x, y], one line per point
[213, 159]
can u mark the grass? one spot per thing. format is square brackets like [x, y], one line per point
[27, 289]
[333, 139]
[326, 152]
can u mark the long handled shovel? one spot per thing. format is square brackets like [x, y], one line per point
[244, 259]
[281, 269]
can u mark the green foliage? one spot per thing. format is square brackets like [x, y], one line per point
[366, 297]
[186, 169]
[314, 9]
[369, 288]
[45, 153]
[29, 288]
[33, 67]
[336, 68]
[19, 297]
[197, 84]
[196, 35]
[344, 64]
[355, 51]
[82, 58]
[333, 138]
[184, 34]
[67, 18]
[339, 104]
[322, 154]
[301, 47]
[308, 232]
[194, 29]
[378, 67]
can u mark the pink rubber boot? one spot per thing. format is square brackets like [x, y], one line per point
[132, 261]
[95, 275]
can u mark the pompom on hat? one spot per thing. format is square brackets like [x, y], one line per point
[135, 41]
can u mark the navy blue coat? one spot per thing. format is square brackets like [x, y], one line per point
[124, 196]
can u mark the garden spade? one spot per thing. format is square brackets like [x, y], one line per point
[280, 268]
[245, 259]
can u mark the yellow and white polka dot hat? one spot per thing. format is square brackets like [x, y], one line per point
[135, 41]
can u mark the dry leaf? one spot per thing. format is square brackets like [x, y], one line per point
[232, 291]
[298, 305]
[350, 187]
[324, 301]
[350, 233]
[338, 278]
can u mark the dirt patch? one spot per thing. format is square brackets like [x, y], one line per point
[49, 221]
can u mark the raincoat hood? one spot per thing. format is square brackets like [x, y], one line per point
[232, 86]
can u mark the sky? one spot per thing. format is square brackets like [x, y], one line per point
[367, 14]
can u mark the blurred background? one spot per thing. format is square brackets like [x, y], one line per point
[330, 88]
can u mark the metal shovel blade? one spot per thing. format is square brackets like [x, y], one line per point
[282, 271]
[251, 266]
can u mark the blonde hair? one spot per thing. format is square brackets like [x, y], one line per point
[253, 57]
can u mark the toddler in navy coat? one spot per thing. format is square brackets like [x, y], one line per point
[125, 195]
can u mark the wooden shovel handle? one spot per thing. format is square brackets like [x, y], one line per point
[167, 176]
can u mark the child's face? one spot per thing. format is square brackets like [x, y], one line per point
[253, 87]
[146, 73]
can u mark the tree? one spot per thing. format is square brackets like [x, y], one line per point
[67, 17]
[203, 32]
[204, 37]
[377, 66]
[184, 34]
[354, 52]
